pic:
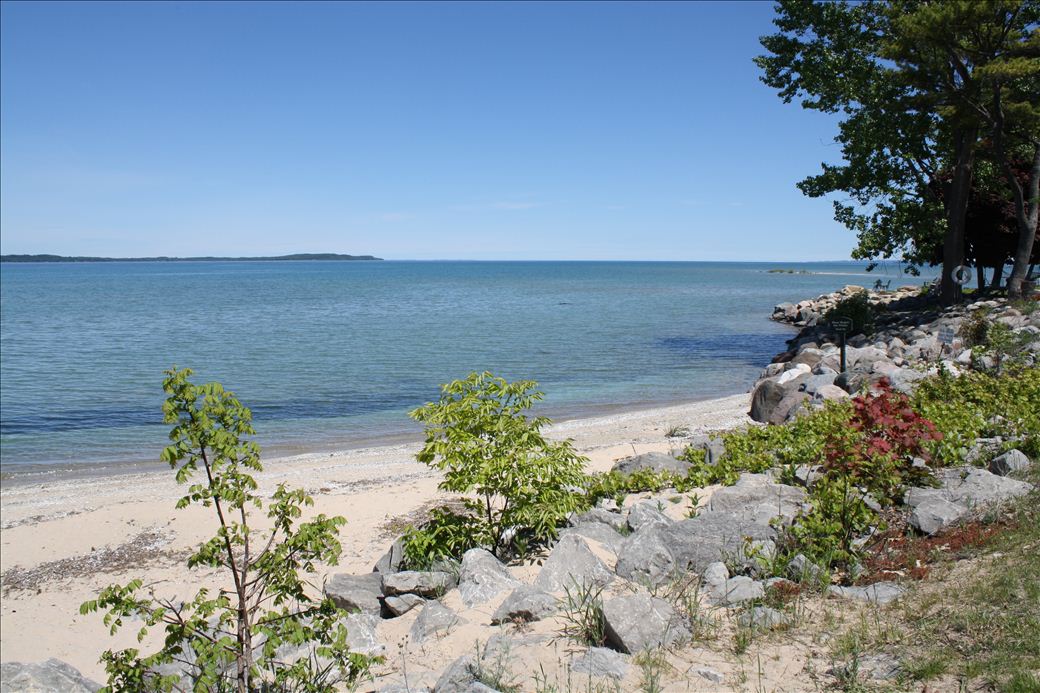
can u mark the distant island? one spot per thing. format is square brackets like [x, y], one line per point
[77, 258]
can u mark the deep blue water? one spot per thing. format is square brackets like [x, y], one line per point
[330, 354]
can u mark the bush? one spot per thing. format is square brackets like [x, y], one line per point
[480, 436]
[231, 639]
[858, 308]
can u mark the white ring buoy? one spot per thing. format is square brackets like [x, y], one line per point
[961, 275]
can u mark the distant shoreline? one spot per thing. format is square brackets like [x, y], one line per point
[208, 258]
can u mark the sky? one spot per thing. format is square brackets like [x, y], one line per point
[613, 131]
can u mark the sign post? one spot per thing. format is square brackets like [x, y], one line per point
[842, 326]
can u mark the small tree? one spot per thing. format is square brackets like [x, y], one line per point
[479, 435]
[244, 638]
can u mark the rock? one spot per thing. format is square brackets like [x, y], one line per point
[762, 618]
[871, 667]
[975, 487]
[646, 514]
[597, 532]
[434, 619]
[696, 543]
[357, 592]
[460, 677]
[654, 461]
[390, 562]
[815, 382]
[638, 622]
[645, 559]
[829, 393]
[44, 677]
[739, 589]
[935, 514]
[525, 604]
[401, 605]
[615, 521]
[758, 499]
[361, 634]
[793, 372]
[482, 577]
[878, 593]
[572, 563]
[766, 397]
[865, 357]
[801, 569]
[715, 576]
[430, 584]
[601, 661]
[1010, 461]
[807, 475]
[787, 408]
[710, 674]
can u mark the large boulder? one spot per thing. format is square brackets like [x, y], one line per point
[696, 543]
[638, 622]
[361, 634]
[434, 619]
[758, 499]
[482, 577]
[646, 514]
[878, 593]
[767, 395]
[976, 487]
[615, 521]
[597, 532]
[525, 604]
[788, 407]
[400, 605]
[601, 661]
[645, 558]
[390, 562]
[429, 584]
[44, 677]
[356, 592]
[572, 563]
[1010, 461]
[653, 461]
[737, 590]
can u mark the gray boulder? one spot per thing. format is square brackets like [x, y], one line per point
[645, 558]
[767, 395]
[696, 543]
[934, 514]
[788, 408]
[1010, 461]
[601, 661]
[737, 590]
[715, 576]
[597, 532]
[362, 636]
[878, 593]
[390, 562]
[830, 393]
[525, 604]
[763, 618]
[356, 592]
[640, 622]
[615, 521]
[571, 563]
[398, 606]
[975, 487]
[434, 619]
[757, 498]
[646, 514]
[430, 584]
[482, 577]
[653, 461]
[460, 677]
[44, 677]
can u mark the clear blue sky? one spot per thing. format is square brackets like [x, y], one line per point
[409, 131]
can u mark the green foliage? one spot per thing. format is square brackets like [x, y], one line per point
[856, 307]
[581, 610]
[480, 436]
[974, 330]
[444, 537]
[228, 640]
[981, 405]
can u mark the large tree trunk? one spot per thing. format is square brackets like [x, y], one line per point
[960, 187]
[980, 276]
[1026, 209]
[998, 274]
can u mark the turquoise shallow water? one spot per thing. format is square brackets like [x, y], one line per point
[330, 354]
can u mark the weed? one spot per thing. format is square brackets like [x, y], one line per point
[492, 670]
[582, 613]
[652, 664]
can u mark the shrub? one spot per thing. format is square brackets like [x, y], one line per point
[230, 639]
[858, 308]
[974, 330]
[480, 436]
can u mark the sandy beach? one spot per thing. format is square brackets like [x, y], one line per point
[65, 539]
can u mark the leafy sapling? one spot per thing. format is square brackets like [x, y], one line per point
[242, 636]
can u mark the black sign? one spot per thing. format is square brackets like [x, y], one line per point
[841, 325]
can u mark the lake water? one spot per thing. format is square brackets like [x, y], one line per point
[334, 354]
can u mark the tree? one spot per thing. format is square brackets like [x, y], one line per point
[479, 435]
[908, 76]
[235, 639]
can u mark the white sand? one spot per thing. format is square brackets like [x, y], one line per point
[63, 540]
